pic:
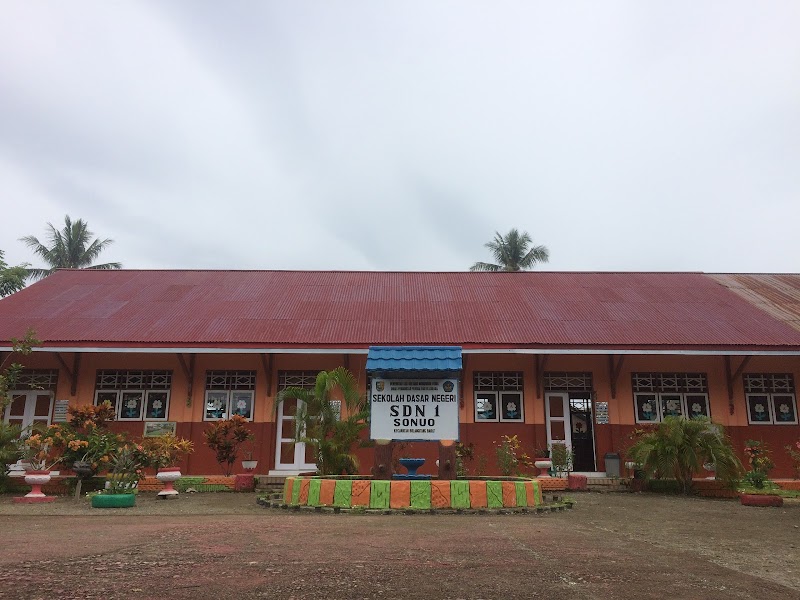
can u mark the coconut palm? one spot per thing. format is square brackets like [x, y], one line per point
[513, 252]
[70, 248]
[679, 447]
[319, 422]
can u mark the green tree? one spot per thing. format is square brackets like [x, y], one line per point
[679, 447]
[12, 279]
[9, 372]
[319, 422]
[69, 248]
[513, 252]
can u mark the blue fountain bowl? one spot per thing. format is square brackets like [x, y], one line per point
[412, 463]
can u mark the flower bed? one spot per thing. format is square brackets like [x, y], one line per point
[420, 495]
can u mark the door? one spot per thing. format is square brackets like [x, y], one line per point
[557, 420]
[582, 432]
[29, 407]
[290, 456]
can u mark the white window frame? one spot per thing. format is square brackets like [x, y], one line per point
[496, 418]
[685, 412]
[228, 399]
[498, 399]
[771, 409]
[121, 402]
[147, 401]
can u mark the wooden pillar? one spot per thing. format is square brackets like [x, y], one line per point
[447, 461]
[382, 468]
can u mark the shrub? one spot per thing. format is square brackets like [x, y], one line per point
[761, 463]
[510, 458]
[679, 447]
[225, 438]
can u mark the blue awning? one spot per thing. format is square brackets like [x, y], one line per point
[412, 361]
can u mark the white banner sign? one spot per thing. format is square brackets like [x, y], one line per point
[414, 409]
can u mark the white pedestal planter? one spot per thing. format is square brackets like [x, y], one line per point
[168, 476]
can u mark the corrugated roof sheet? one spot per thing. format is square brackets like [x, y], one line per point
[389, 359]
[358, 309]
[778, 295]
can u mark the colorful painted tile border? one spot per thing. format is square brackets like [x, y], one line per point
[415, 495]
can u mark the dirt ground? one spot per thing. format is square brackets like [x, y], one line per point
[226, 546]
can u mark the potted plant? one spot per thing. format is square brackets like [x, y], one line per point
[561, 456]
[757, 486]
[164, 452]
[121, 482]
[39, 452]
[542, 461]
[248, 464]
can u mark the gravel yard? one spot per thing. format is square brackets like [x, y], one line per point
[225, 545]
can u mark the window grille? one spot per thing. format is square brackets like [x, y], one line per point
[37, 379]
[133, 380]
[500, 381]
[567, 382]
[297, 379]
[230, 380]
[670, 382]
[768, 383]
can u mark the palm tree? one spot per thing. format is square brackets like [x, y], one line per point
[70, 248]
[319, 422]
[679, 447]
[513, 252]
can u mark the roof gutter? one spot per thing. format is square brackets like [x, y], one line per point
[553, 351]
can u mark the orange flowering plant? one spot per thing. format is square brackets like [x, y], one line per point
[86, 438]
[39, 449]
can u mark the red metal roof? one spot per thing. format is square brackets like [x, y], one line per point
[356, 309]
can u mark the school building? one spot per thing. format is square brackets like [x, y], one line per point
[582, 358]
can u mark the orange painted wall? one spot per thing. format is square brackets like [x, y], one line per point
[608, 438]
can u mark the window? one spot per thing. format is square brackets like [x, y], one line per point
[659, 395]
[498, 396]
[770, 398]
[135, 395]
[229, 393]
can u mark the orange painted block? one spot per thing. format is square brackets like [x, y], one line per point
[326, 489]
[509, 494]
[304, 491]
[555, 484]
[440, 494]
[400, 496]
[477, 494]
[287, 490]
[359, 495]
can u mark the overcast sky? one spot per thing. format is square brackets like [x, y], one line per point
[400, 136]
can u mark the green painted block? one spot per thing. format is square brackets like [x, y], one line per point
[522, 496]
[420, 494]
[296, 492]
[494, 494]
[379, 494]
[536, 496]
[313, 492]
[342, 493]
[459, 494]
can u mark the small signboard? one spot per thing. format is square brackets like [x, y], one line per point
[601, 413]
[414, 409]
[158, 428]
[60, 413]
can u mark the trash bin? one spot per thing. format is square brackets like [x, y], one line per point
[612, 464]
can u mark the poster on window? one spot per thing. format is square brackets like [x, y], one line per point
[414, 409]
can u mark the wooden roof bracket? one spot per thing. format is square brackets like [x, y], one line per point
[72, 372]
[613, 373]
[539, 365]
[266, 364]
[731, 377]
[188, 371]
